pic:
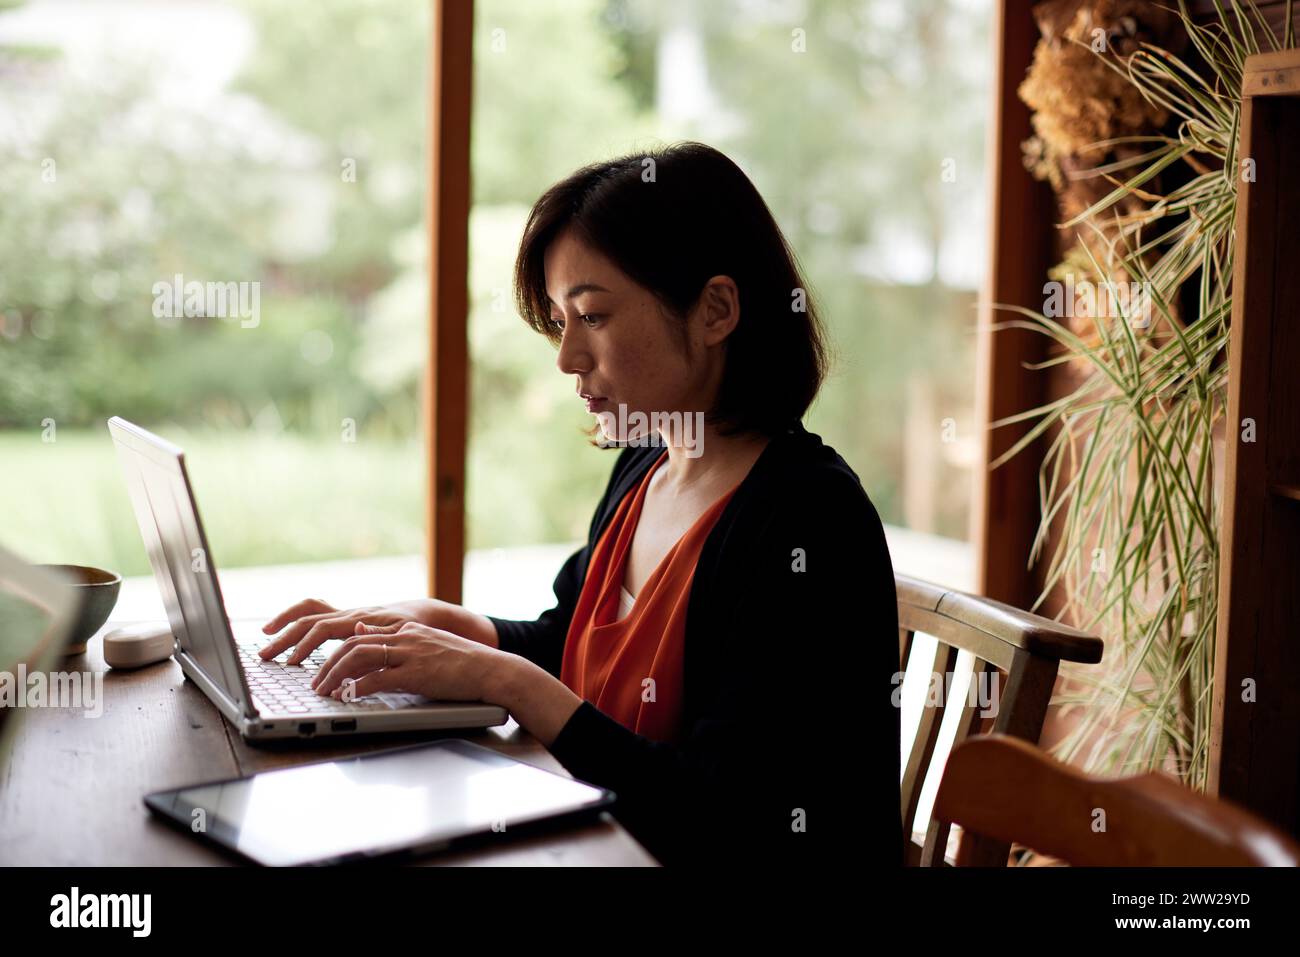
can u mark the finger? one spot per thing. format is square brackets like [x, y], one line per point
[364, 631]
[322, 631]
[414, 629]
[308, 606]
[387, 679]
[361, 660]
[294, 632]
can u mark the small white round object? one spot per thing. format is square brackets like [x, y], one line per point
[135, 646]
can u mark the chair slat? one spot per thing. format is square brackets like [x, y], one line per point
[927, 735]
[936, 834]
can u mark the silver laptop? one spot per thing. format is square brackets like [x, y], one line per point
[263, 699]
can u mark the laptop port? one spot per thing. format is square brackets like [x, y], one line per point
[307, 728]
[343, 724]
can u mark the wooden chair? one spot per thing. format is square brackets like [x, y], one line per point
[1003, 788]
[1023, 648]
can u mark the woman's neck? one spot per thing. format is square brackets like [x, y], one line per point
[710, 459]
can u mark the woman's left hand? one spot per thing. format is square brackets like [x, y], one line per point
[420, 660]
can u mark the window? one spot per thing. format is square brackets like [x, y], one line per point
[211, 223]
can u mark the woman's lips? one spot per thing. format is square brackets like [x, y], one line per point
[594, 404]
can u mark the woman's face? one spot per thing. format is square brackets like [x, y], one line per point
[623, 348]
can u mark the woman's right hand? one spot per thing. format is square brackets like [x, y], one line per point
[312, 622]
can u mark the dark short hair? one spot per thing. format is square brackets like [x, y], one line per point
[698, 217]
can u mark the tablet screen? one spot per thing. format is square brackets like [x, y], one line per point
[422, 796]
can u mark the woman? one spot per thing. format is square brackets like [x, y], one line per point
[734, 605]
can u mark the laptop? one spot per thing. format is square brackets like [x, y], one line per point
[37, 614]
[263, 699]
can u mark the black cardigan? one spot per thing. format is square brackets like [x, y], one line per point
[788, 728]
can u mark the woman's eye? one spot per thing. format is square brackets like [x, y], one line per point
[589, 318]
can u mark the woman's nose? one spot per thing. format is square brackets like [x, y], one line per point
[573, 357]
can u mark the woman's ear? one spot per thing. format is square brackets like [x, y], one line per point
[720, 303]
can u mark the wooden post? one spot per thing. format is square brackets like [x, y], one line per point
[1255, 727]
[446, 379]
[1022, 249]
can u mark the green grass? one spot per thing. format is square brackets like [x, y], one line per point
[264, 498]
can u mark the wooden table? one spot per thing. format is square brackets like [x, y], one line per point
[71, 793]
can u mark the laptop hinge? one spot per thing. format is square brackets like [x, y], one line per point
[223, 701]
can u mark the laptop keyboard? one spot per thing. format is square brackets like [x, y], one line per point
[278, 688]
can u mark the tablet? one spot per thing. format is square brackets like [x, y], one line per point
[409, 800]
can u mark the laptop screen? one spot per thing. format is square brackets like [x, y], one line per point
[177, 548]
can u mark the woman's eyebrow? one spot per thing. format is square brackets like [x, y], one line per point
[580, 289]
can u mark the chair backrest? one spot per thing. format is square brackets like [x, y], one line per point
[1003, 788]
[1017, 652]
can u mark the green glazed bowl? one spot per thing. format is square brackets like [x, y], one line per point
[97, 590]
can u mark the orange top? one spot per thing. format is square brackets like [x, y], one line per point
[606, 660]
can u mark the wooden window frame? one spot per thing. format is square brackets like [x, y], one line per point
[446, 379]
[1255, 740]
